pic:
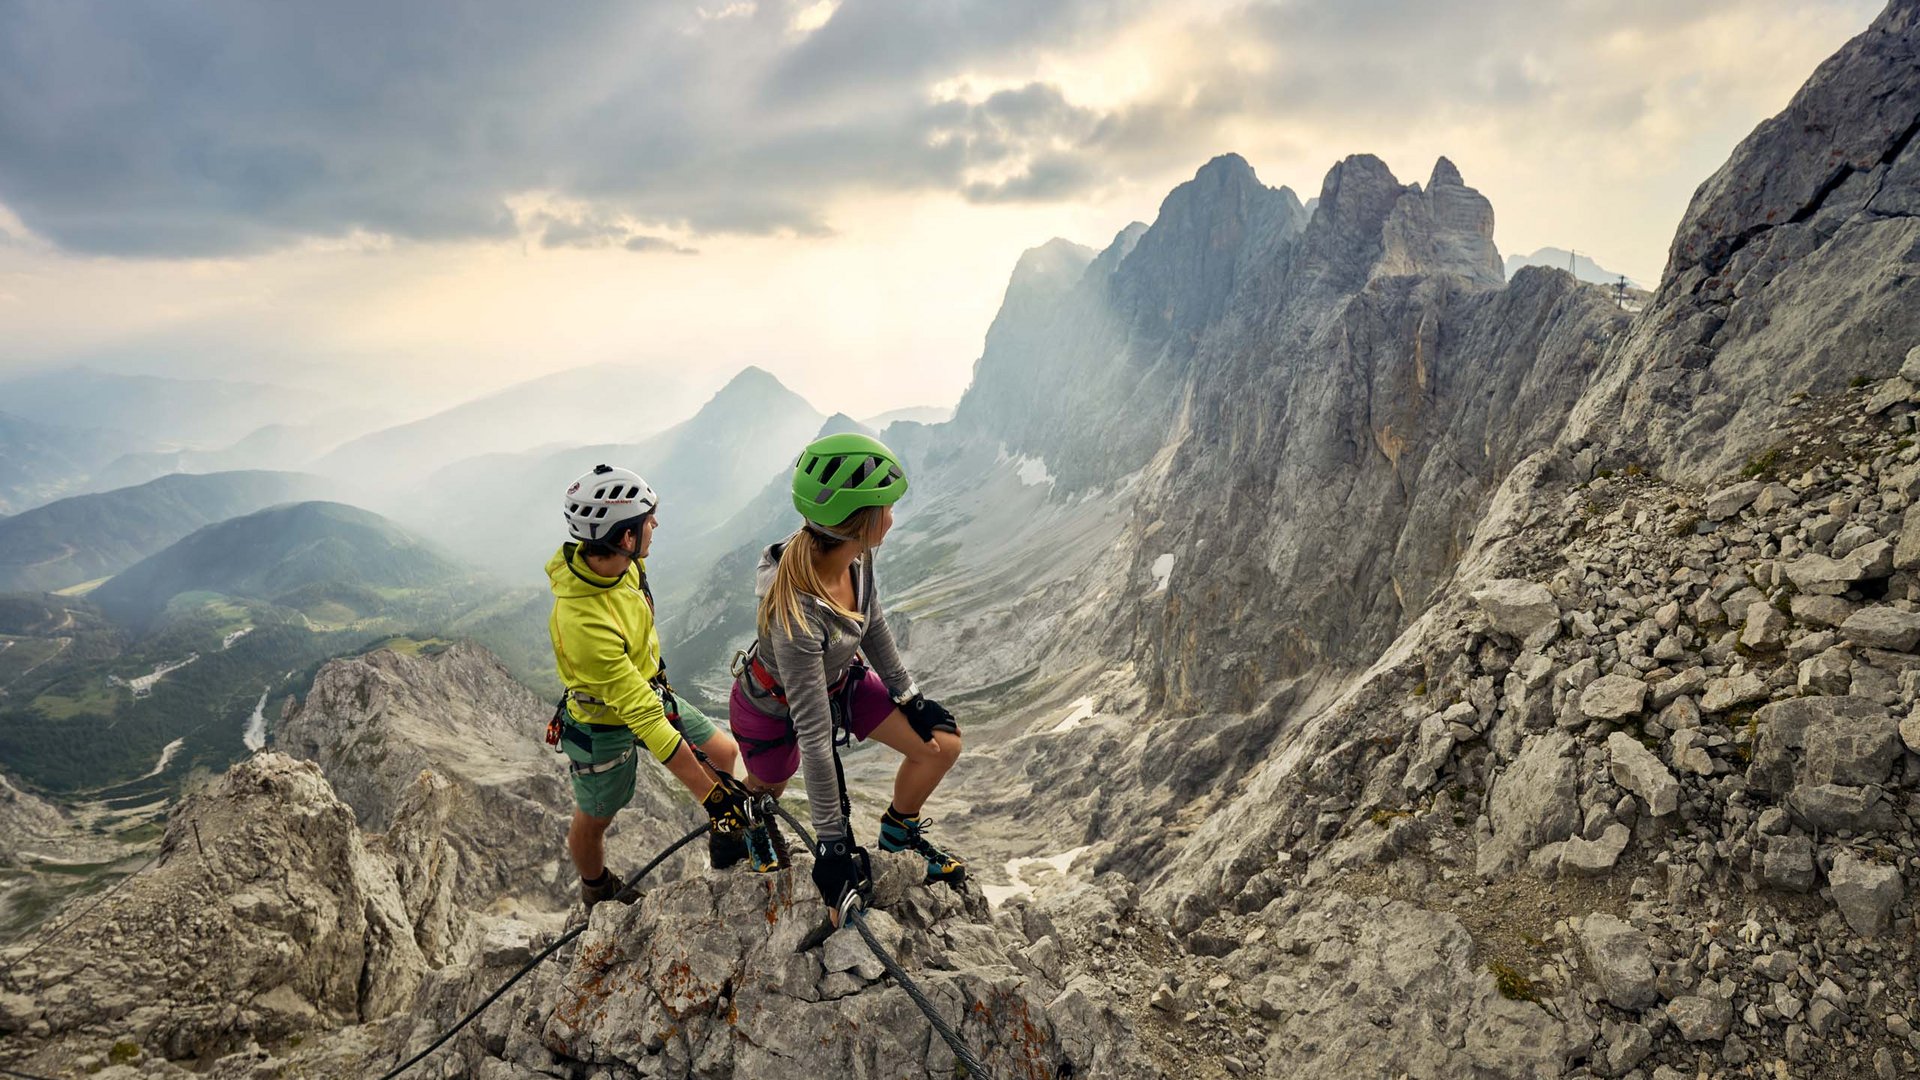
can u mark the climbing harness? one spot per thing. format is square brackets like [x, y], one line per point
[839, 700]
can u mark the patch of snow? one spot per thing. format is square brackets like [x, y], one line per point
[1034, 471]
[1016, 874]
[1162, 572]
[227, 643]
[255, 737]
[1081, 711]
[166, 757]
[1030, 470]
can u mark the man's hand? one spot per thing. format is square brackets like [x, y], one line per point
[727, 805]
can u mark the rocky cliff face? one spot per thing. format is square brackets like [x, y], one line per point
[376, 723]
[270, 915]
[1791, 273]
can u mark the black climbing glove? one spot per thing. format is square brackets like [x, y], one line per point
[928, 716]
[841, 866]
[727, 805]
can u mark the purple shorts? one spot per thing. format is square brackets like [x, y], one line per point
[773, 765]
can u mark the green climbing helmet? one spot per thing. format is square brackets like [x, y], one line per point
[839, 474]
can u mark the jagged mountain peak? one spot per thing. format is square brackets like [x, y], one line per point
[1445, 173]
[1057, 259]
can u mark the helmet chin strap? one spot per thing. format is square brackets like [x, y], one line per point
[822, 530]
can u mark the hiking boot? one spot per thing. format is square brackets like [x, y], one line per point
[609, 887]
[726, 849]
[902, 832]
[766, 847]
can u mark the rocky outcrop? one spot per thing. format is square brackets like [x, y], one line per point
[1446, 229]
[1789, 273]
[268, 916]
[375, 723]
[1678, 794]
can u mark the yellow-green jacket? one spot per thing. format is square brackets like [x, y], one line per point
[605, 645]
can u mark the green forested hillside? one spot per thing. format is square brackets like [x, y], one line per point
[340, 558]
[86, 537]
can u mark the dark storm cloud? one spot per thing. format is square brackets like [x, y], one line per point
[227, 128]
[212, 128]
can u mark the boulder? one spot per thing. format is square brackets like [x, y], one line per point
[1865, 892]
[1906, 555]
[1732, 499]
[1833, 807]
[1639, 771]
[1532, 803]
[1613, 697]
[1820, 610]
[1788, 863]
[1733, 692]
[1765, 627]
[1592, 858]
[1521, 609]
[1620, 959]
[1701, 1019]
[1781, 734]
[1882, 627]
[1850, 748]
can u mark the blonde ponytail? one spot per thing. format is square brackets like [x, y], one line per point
[797, 574]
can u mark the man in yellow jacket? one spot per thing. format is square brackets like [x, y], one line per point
[608, 655]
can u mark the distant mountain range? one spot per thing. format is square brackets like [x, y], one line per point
[274, 446]
[40, 462]
[505, 508]
[1583, 268]
[159, 411]
[91, 536]
[281, 554]
[601, 403]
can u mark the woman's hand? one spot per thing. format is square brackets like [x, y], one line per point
[928, 716]
[841, 867]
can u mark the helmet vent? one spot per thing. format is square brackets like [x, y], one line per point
[812, 464]
[864, 470]
[600, 513]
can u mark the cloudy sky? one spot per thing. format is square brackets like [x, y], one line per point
[426, 201]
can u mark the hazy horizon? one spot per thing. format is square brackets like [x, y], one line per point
[835, 192]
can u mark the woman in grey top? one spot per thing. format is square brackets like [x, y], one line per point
[819, 611]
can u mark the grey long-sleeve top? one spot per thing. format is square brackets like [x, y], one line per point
[809, 660]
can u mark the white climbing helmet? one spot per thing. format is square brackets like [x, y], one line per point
[606, 500]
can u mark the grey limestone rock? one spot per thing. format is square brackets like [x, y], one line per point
[1635, 768]
[1701, 1019]
[1520, 608]
[1865, 892]
[1765, 627]
[1883, 627]
[1774, 276]
[1533, 803]
[1613, 697]
[1788, 863]
[269, 916]
[1732, 499]
[1732, 692]
[1620, 959]
[1781, 733]
[1592, 858]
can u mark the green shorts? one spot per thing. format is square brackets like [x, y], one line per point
[601, 795]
